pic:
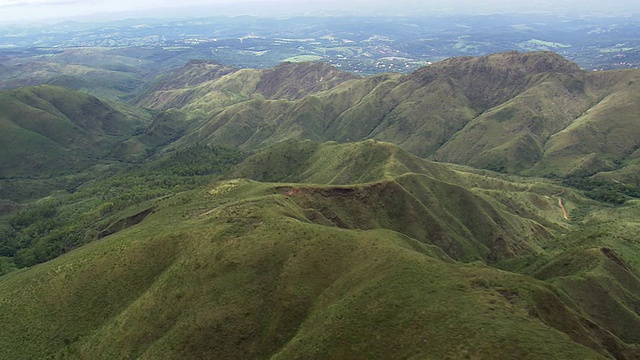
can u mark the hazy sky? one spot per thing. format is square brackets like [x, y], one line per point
[24, 10]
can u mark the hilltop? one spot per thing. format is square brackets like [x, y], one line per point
[200, 82]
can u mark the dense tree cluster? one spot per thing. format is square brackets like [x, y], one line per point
[609, 191]
[52, 227]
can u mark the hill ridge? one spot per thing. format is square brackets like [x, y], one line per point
[334, 255]
[308, 248]
[51, 130]
[499, 112]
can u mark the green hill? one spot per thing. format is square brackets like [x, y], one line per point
[81, 73]
[165, 240]
[230, 289]
[528, 113]
[392, 256]
[51, 135]
[211, 86]
[51, 130]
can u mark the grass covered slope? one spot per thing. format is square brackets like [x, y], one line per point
[349, 249]
[240, 272]
[605, 137]
[200, 82]
[457, 210]
[51, 130]
[530, 113]
[98, 72]
[357, 250]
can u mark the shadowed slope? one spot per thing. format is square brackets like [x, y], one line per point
[199, 80]
[47, 129]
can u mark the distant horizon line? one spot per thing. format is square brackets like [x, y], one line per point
[111, 17]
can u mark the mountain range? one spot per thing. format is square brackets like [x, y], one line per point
[532, 114]
[459, 211]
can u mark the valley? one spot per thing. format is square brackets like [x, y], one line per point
[172, 206]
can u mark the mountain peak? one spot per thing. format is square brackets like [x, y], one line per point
[196, 72]
[295, 80]
[529, 62]
[490, 80]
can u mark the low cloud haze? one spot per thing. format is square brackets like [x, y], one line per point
[36, 10]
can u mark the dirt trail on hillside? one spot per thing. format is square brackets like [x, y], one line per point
[564, 211]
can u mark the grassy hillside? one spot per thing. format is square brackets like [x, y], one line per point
[199, 82]
[164, 240]
[357, 250]
[604, 137]
[528, 113]
[51, 130]
[242, 272]
[260, 270]
[472, 216]
[77, 73]
[172, 89]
